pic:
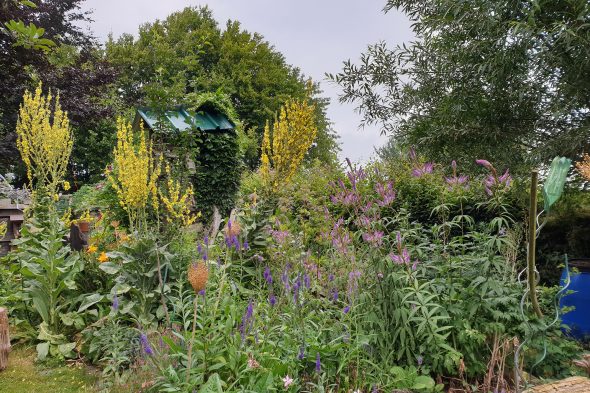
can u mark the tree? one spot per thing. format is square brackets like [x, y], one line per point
[74, 68]
[503, 79]
[188, 53]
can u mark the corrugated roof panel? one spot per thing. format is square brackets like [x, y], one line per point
[181, 120]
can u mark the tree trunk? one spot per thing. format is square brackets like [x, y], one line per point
[4, 339]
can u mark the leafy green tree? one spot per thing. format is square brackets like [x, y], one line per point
[505, 80]
[189, 53]
[73, 67]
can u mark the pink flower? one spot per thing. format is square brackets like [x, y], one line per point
[287, 381]
[422, 170]
[485, 164]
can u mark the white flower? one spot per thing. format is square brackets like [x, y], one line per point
[287, 381]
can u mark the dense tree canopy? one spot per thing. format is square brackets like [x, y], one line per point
[188, 52]
[505, 80]
[74, 68]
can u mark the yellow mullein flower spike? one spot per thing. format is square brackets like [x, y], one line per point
[136, 172]
[44, 138]
[285, 144]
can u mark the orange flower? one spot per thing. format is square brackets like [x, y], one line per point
[103, 257]
[115, 224]
[91, 249]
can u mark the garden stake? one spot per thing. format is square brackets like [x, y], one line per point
[532, 245]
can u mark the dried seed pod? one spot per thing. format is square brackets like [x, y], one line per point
[232, 228]
[198, 274]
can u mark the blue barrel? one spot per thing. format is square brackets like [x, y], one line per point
[577, 320]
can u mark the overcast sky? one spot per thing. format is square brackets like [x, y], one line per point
[314, 35]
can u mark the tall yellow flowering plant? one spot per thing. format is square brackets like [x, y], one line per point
[176, 202]
[284, 146]
[44, 139]
[135, 173]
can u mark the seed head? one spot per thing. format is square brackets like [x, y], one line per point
[198, 274]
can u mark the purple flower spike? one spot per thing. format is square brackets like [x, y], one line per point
[115, 302]
[346, 309]
[145, 344]
[301, 354]
[267, 275]
[318, 363]
[272, 300]
[485, 163]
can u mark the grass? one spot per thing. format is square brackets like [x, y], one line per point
[24, 376]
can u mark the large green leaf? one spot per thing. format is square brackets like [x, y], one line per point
[553, 186]
[90, 301]
[42, 350]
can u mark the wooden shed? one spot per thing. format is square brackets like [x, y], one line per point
[12, 214]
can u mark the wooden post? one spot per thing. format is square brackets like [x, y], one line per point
[4, 339]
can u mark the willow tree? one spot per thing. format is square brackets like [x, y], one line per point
[485, 78]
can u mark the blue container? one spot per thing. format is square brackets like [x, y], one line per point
[577, 320]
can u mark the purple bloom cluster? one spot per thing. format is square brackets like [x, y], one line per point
[456, 181]
[386, 193]
[340, 237]
[145, 345]
[247, 320]
[267, 276]
[374, 238]
[493, 182]
[279, 236]
[403, 255]
[423, 169]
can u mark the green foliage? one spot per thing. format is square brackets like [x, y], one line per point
[218, 171]
[134, 267]
[188, 54]
[499, 79]
[48, 269]
[29, 37]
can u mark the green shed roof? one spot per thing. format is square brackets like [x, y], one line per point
[181, 120]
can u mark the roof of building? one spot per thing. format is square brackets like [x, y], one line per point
[181, 120]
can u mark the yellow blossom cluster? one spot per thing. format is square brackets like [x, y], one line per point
[136, 172]
[584, 167]
[292, 134]
[44, 138]
[176, 201]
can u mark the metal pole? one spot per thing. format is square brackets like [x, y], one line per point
[532, 245]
